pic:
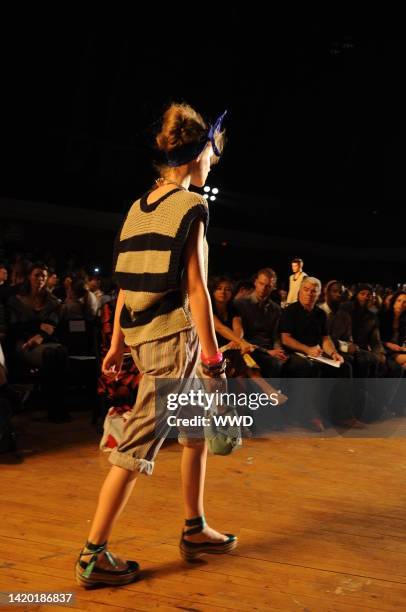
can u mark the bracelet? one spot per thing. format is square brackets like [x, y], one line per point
[214, 360]
[215, 366]
[214, 370]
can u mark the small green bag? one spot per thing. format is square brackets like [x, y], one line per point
[223, 439]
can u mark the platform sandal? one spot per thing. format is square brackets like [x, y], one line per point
[192, 550]
[89, 574]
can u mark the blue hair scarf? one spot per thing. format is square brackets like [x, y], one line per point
[188, 152]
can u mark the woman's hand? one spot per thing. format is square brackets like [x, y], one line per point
[47, 328]
[33, 342]
[113, 361]
[392, 346]
[246, 347]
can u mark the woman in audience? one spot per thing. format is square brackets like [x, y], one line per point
[393, 329]
[387, 298]
[228, 326]
[33, 315]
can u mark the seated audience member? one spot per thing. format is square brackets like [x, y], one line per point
[228, 324]
[386, 300]
[365, 327]
[79, 303]
[304, 329]
[340, 331]
[260, 318]
[295, 280]
[282, 299]
[53, 281]
[393, 329]
[375, 303]
[62, 292]
[94, 286]
[33, 315]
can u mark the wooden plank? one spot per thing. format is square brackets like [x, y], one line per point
[320, 520]
[162, 565]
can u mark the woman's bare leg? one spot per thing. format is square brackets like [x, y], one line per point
[194, 459]
[113, 498]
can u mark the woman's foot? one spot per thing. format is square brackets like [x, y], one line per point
[206, 535]
[97, 566]
[198, 539]
[103, 562]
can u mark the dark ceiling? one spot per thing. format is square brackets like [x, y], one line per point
[308, 123]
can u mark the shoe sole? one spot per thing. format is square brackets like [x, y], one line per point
[106, 580]
[190, 555]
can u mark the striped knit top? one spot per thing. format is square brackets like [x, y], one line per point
[149, 266]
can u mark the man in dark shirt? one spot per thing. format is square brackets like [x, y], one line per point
[260, 319]
[303, 329]
[363, 362]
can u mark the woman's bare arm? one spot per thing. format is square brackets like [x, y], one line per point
[196, 286]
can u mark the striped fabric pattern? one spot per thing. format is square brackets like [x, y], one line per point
[141, 433]
[148, 264]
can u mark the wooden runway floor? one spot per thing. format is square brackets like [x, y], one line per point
[321, 521]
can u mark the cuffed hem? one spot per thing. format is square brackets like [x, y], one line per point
[126, 461]
[191, 441]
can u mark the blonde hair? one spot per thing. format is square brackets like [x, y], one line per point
[182, 125]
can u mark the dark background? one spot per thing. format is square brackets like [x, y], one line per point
[315, 125]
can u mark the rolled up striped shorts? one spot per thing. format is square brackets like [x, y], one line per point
[175, 357]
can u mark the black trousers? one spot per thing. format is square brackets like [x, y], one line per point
[313, 398]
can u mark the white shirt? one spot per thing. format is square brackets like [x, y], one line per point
[294, 286]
